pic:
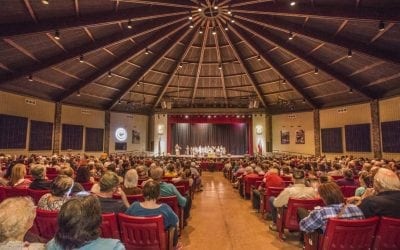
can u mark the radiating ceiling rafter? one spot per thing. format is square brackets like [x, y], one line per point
[221, 70]
[76, 52]
[346, 81]
[145, 70]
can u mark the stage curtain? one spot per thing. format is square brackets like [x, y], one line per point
[232, 136]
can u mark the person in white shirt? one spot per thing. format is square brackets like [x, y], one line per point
[298, 191]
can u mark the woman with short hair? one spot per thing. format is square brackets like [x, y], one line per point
[17, 178]
[60, 190]
[79, 223]
[130, 185]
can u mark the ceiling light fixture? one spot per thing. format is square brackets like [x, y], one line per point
[216, 7]
[109, 74]
[283, 81]
[78, 93]
[232, 20]
[129, 25]
[57, 35]
[220, 66]
[349, 53]
[146, 52]
[214, 32]
[226, 27]
[190, 15]
[180, 65]
[199, 9]
[303, 101]
[81, 59]
[119, 101]
[30, 78]
[45, 2]
[381, 26]
[191, 25]
[350, 91]
[292, 3]
[291, 36]
[258, 58]
[201, 30]
[316, 71]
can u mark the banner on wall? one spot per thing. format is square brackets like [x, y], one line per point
[285, 137]
[300, 137]
[135, 137]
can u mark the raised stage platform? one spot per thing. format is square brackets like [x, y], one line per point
[211, 157]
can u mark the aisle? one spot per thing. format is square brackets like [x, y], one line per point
[221, 220]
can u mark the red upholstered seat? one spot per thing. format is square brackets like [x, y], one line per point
[269, 192]
[185, 184]
[87, 185]
[143, 233]
[388, 234]
[131, 198]
[287, 178]
[172, 201]
[348, 191]
[181, 189]
[248, 182]
[46, 222]
[336, 177]
[51, 176]
[287, 217]
[109, 226]
[2, 193]
[15, 192]
[51, 171]
[287, 183]
[37, 194]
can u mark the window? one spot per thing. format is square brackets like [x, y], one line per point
[358, 137]
[72, 137]
[41, 135]
[331, 139]
[94, 139]
[13, 131]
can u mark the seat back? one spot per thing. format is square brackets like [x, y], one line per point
[336, 177]
[171, 201]
[109, 226]
[270, 191]
[388, 234]
[184, 183]
[287, 183]
[2, 193]
[290, 216]
[131, 198]
[37, 194]
[15, 192]
[181, 190]
[87, 185]
[46, 222]
[142, 232]
[51, 176]
[287, 178]
[248, 182]
[50, 170]
[348, 191]
[349, 234]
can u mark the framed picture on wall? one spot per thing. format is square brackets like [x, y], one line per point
[300, 136]
[135, 137]
[285, 137]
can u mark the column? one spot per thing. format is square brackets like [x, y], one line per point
[317, 133]
[376, 129]
[107, 120]
[150, 133]
[269, 132]
[57, 129]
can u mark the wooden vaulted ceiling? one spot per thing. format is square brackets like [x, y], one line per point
[138, 55]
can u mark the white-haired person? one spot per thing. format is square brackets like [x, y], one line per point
[130, 185]
[17, 215]
[386, 200]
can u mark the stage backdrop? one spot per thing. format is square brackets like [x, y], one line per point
[233, 133]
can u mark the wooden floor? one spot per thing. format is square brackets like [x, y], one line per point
[221, 219]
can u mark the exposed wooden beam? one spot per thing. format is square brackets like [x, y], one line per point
[270, 38]
[114, 39]
[142, 93]
[319, 84]
[253, 82]
[367, 68]
[143, 71]
[221, 70]
[120, 60]
[201, 58]
[307, 33]
[341, 27]
[77, 12]
[266, 57]
[243, 3]
[383, 79]
[176, 66]
[49, 25]
[366, 14]
[381, 32]
[47, 83]
[51, 37]
[66, 73]
[105, 86]
[280, 92]
[89, 33]
[30, 10]
[159, 3]
[21, 49]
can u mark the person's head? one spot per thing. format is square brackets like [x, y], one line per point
[365, 179]
[16, 218]
[141, 171]
[386, 180]
[248, 170]
[151, 190]
[348, 174]
[18, 172]
[79, 222]
[131, 178]
[67, 170]
[38, 171]
[109, 182]
[273, 171]
[170, 167]
[330, 193]
[157, 173]
[298, 176]
[61, 185]
[286, 170]
[82, 174]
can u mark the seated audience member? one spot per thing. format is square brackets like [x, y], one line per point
[365, 182]
[68, 171]
[17, 216]
[130, 185]
[337, 170]
[17, 178]
[142, 172]
[286, 172]
[333, 198]
[195, 173]
[79, 223]
[83, 175]
[348, 179]
[149, 207]
[39, 182]
[109, 184]
[168, 189]
[271, 179]
[60, 191]
[170, 171]
[387, 199]
[298, 190]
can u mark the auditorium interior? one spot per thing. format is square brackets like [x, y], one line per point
[219, 94]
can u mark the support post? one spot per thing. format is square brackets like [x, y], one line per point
[317, 133]
[107, 121]
[57, 129]
[376, 129]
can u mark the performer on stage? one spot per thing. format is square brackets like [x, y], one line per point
[187, 150]
[177, 150]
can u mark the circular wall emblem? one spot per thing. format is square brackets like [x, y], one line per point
[121, 134]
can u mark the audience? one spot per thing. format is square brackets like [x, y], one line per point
[68, 171]
[60, 191]
[79, 223]
[39, 182]
[149, 207]
[348, 179]
[17, 178]
[109, 184]
[130, 185]
[17, 216]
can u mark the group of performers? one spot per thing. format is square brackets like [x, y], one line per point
[202, 151]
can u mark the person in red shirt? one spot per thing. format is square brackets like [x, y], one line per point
[271, 179]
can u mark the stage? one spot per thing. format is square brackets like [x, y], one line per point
[210, 157]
